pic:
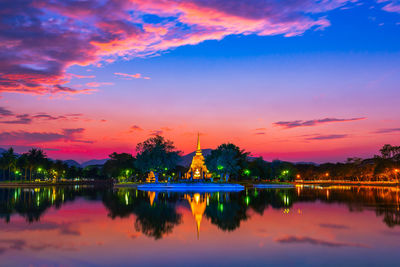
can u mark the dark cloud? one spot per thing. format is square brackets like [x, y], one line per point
[301, 123]
[318, 242]
[17, 244]
[156, 132]
[67, 135]
[20, 244]
[327, 137]
[29, 118]
[334, 226]
[259, 133]
[387, 130]
[30, 137]
[19, 119]
[65, 228]
[5, 112]
[136, 128]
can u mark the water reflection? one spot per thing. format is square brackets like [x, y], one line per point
[156, 214]
[32, 203]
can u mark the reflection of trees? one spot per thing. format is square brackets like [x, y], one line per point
[155, 213]
[156, 220]
[384, 200]
[259, 200]
[32, 203]
[227, 212]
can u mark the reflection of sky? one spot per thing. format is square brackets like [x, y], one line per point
[80, 233]
[232, 89]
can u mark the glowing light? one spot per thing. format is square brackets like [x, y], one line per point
[327, 174]
[221, 207]
[247, 199]
[197, 197]
[220, 167]
[246, 172]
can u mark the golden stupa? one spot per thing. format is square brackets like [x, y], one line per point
[198, 169]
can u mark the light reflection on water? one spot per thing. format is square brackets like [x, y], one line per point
[87, 226]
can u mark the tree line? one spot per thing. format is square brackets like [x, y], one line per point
[226, 162]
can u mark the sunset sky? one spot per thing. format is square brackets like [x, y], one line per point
[298, 80]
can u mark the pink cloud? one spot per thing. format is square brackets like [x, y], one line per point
[98, 84]
[81, 76]
[129, 76]
[390, 5]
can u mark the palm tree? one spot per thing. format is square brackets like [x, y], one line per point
[23, 163]
[10, 160]
[35, 157]
[3, 166]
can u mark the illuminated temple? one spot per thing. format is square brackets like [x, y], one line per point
[198, 169]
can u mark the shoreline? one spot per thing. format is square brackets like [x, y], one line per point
[49, 184]
[351, 183]
[197, 186]
[191, 187]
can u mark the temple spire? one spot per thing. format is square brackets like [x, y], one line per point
[198, 143]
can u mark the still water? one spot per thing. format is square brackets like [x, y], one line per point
[87, 226]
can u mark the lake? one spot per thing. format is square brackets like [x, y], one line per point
[92, 226]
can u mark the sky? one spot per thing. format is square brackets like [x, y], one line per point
[297, 80]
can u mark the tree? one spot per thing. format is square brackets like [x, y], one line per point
[389, 151]
[259, 168]
[35, 157]
[57, 169]
[10, 160]
[157, 155]
[227, 160]
[23, 164]
[282, 170]
[3, 166]
[119, 165]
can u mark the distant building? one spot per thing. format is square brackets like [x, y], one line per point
[151, 178]
[198, 168]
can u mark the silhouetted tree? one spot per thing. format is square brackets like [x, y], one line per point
[227, 160]
[156, 154]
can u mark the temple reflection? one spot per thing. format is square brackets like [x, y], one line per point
[198, 204]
